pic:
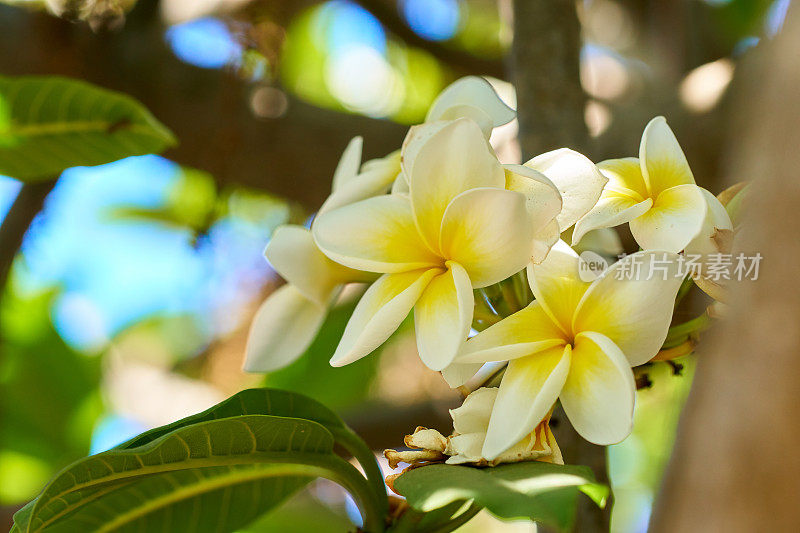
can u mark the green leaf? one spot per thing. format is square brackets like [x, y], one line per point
[49, 124]
[539, 491]
[215, 475]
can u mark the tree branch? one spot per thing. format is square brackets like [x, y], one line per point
[28, 203]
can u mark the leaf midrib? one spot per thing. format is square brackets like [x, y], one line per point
[82, 126]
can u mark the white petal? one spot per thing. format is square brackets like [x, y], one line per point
[294, 255]
[473, 415]
[716, 219]
[456, 158]
[544, 240]
[630, 309]
[529, 388]
[599, 393]
[542, 199]
[283, 328]
[442, 317]
[372, 182]
[376, 235]
[612, 210]
[400, 185]
[663, 163]
[556, 284]
[674, 220]
[526, 332]
[487, 231]
[379, 313]
[604, 241]
[577, 178]
[470, 93]
[456, 374]
[348, 163]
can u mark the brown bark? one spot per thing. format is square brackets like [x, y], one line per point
[544, 64]
[734, 467]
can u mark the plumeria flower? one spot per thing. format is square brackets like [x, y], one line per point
[289, 319]
[655, 193]
[576, 342]
[457, 229]
[464, 446]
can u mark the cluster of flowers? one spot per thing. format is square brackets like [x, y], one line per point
[433, 224]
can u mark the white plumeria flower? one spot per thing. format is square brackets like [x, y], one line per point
[457, 229]
[576, 342]
[470, 426]
[655, 193]
[289, 319]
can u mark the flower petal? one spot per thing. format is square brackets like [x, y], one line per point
[674, 220]
[543, 240]
[456, 374]
[473, 415]
[526, 332]
[529, 388]
[464, 97]
[612, 210]
[377, 235]
[715, 237]
[373, 182]
[630, 309]
[456, 158]
[599, 393]
[294, 255]
[576, 177]
[663, 163]
[542, 199]
[347, 168]
[283, 328]
[442, 316]
[556, 284]
[379, 313]
[487, 231]
[624, 176]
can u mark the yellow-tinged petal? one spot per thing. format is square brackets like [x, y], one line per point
[283, 328]
[529, 388]
[556, 284]
[376, 235]
[456, 158]
[347, 168]
[456, 374]
[542, 199]
[526, 332]
[578, 180]
[442, 316]
[674, 220]
[473, 415]
[373, 182]
[543, 240]
[379, 313]
[472, 97]
[294, 255]
[612, 210]
[630, 309]
[599, 392]
[715, 237]
[663, 163]
[625, 177]
[487, 231]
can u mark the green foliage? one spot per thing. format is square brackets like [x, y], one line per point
[214, 471]
[49, 124]
[51, 397]
[539, 491]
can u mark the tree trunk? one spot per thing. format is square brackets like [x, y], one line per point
[735, 467]
[545, 67]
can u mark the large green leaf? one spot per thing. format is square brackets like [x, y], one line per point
[216, 475]
[280, 403]
[539, 491]
[49, 124]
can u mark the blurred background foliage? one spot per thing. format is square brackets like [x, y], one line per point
[128, 303]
